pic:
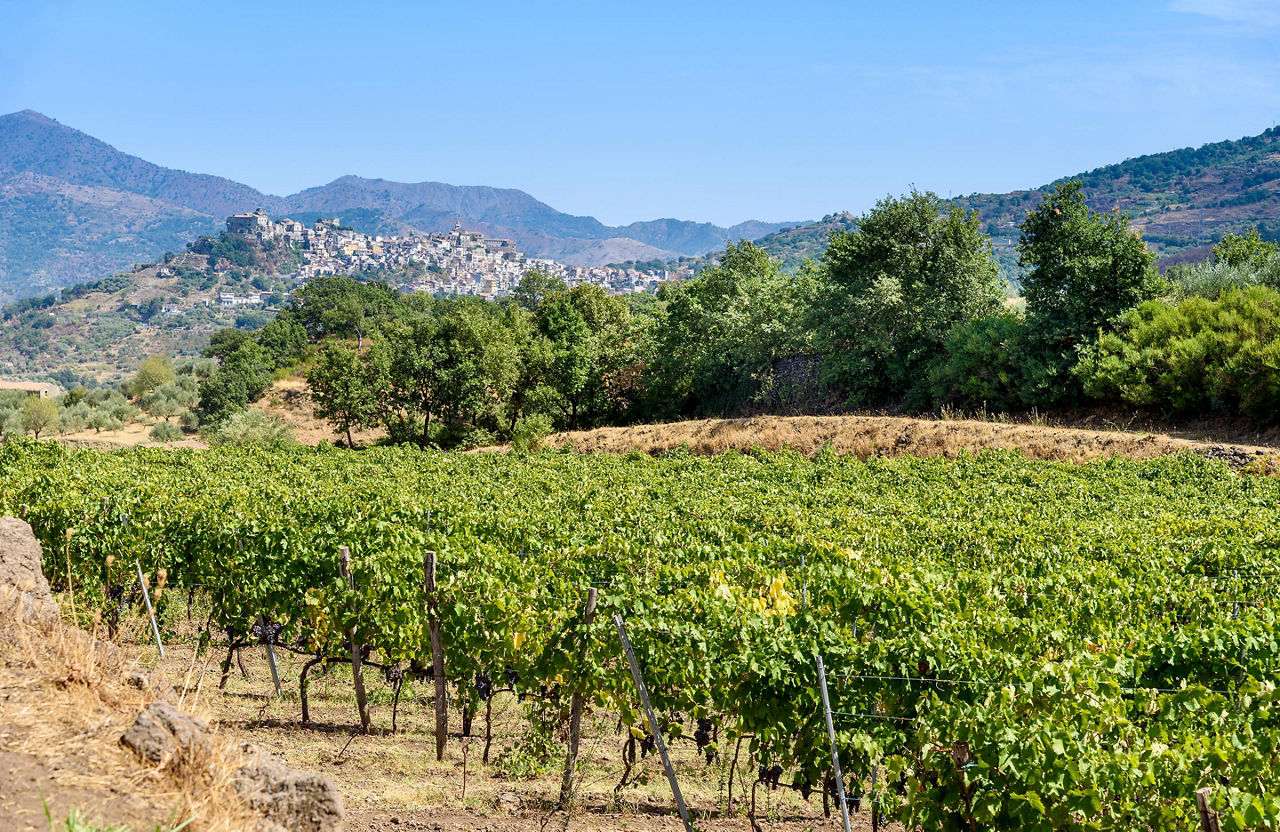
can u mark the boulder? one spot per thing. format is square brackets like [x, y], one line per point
[164, 735]
[295, 800]
[20, 566]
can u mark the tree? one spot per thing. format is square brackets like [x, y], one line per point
[343, 307]
[342, 388]
[573, 353]
[895, 286]
[1244, 249]
[722, 331]
[38, 415]
[243, 377]
[285, 339]
[152, 372]
[534, 286]
[1086, 269]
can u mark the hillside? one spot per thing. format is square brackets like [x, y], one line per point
[73, 208]
[792, 246]
[1181, 201]
[103, 329]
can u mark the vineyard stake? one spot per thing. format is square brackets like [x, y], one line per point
[575, 713]
[151, 613]
[357, 674]
[1208, 817]
[271, 653]
[437, 654]
[835, 753]
[653, 720]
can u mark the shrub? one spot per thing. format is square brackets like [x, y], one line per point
[252, 428]
[166, 432]
[1213, 277]
[530, 432]
[1193, 356]
[980, 364]
[74, 418]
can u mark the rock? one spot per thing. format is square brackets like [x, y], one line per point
[166, 736]
[510, 802]
[296, 800]
[20, 566]
[158, 686]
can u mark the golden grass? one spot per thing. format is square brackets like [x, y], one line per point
[874, 436]
[68, 701]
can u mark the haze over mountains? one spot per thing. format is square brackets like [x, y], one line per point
[73, 208]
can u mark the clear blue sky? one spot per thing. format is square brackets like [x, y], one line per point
[704, 111]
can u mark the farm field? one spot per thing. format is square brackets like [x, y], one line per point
[1009, 643]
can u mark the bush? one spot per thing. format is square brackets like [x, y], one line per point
[529, 432]
[189, 420]
[1213, 277]
[1194, 356]
[166, 432]
[74, 418]
[102, 419]
[252, 428]
[980, 364]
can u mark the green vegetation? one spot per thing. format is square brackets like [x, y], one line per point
[1196, 356]
[1014, 644]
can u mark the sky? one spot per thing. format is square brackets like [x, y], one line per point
[716, 112]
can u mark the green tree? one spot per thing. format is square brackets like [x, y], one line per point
[343, 389]
[573, 354]
[285, 339]
[39, 415]
[343, 307]
[895, 286]
[1244, 249]
[244, 376]
[1085, 270]
[534, 286]
[721, 332]
[152, 372]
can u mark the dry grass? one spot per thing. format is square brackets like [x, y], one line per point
[65, 702]
[875, 436]
[396, 776]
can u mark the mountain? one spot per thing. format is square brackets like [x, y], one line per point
[34, 143]
[74, 208]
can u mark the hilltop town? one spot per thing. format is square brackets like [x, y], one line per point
[458, 262]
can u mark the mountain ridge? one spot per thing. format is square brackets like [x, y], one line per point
[48, 247]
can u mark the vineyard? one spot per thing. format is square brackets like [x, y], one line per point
[1008, 644]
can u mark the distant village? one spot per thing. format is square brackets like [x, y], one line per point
[455, 263]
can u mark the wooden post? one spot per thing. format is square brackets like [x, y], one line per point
[835, 752]
[575, 713]
[437, 654]
[353, 635]
[1208, 817]
[271, 653]
[151, 613]
[653, 720]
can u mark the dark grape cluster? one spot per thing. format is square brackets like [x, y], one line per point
[271, 634]
[393, 673]
[484, 686]
[703, 735]
[512, 677]
[648, 745]
[770, 776]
